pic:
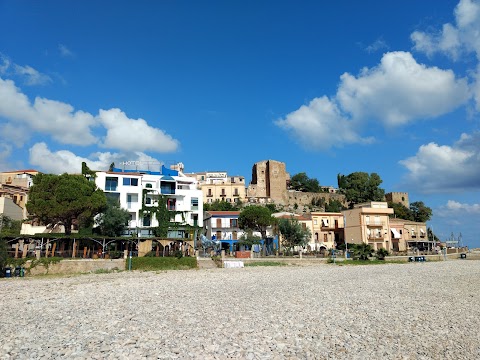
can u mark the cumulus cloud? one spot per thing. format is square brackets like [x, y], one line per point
[133, 134]
[442, 168]
[5, 152]
[397, 91]
[453, 39]
[54, 118]
[320, 125]
[67, 126]
[457, 39]
[400, 90]
[57, 162]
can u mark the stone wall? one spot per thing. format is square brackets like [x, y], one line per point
[78, 266]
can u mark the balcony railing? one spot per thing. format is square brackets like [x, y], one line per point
[376, 237]
[376, 224]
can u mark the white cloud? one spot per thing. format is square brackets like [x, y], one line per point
[61, 161]
[437, 168]
[397, 91]
[134, 135]
[377, 45]
[455, 206]
[5, 152]
[32, 76]
[67, 126]
[50, 117]
[400, 90]
[64, 51]
[453, 40]
[320, 125]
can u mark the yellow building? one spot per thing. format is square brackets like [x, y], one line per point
[327, 230]
[217, 185]
[369, 223]
[410, 235]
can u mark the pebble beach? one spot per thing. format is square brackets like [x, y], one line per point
[393, 311]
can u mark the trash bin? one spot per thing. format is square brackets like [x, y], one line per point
[17, 271]
[463, 256]
[411, 258]
[22, 272]
[8, 272]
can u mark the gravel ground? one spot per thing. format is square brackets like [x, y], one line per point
[392, 311]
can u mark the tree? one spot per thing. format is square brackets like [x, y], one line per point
[219, 205]
[360, 187]
[113, 220]
[362, 251]
[420, 212]
[293, 234]
[9, 226]
[380, 254]
[65, 198]
[301, 182]
[334, 206]
[256, 218]
[400, 211]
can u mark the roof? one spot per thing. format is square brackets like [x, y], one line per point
[223, 213]
[21, 171]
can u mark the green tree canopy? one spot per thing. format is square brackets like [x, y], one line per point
[221, 205]
[256, 218]
[360, 187]
[420, 212]
[334, 206]
[9, 226]
[301, 182]
[64, 198]
[293, 233]
[113, 220]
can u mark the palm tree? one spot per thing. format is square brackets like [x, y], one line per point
[381, 253]
[363, 251]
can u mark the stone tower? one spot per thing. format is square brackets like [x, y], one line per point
[269, 181]
[398, 197]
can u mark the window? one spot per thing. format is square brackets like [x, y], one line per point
[223, 192]
[132, 199]
[148, 201]
[367, 219]
[234, 235]
[171, 204]
[325, 238]
[111, 184]
[219, 223]
[148, 186]
[130, 181]
[209, 192]
[146, 220]
[233, 223]
[194, 203]
[315, 222]
[229, 200]
[235, 192]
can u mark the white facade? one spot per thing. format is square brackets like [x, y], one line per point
[135, 189]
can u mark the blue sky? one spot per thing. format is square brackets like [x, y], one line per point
[326, 87]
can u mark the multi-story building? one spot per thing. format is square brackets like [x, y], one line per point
[408, 235]
[217, 185]
[14, 187]
[223, 226]
[369, 223]
[327, 230]
[141, 192]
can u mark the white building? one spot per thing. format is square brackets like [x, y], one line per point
[141, 191]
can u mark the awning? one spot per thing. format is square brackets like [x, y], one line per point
[422, 231]
[396, 234]
[325, 222]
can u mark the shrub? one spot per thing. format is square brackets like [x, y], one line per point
[163, 263]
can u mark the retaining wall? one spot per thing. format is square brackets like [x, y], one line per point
[78, 266]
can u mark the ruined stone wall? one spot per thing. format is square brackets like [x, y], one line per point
[305, 199]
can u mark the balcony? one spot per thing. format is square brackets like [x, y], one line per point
[376, 237]
[376, 224]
